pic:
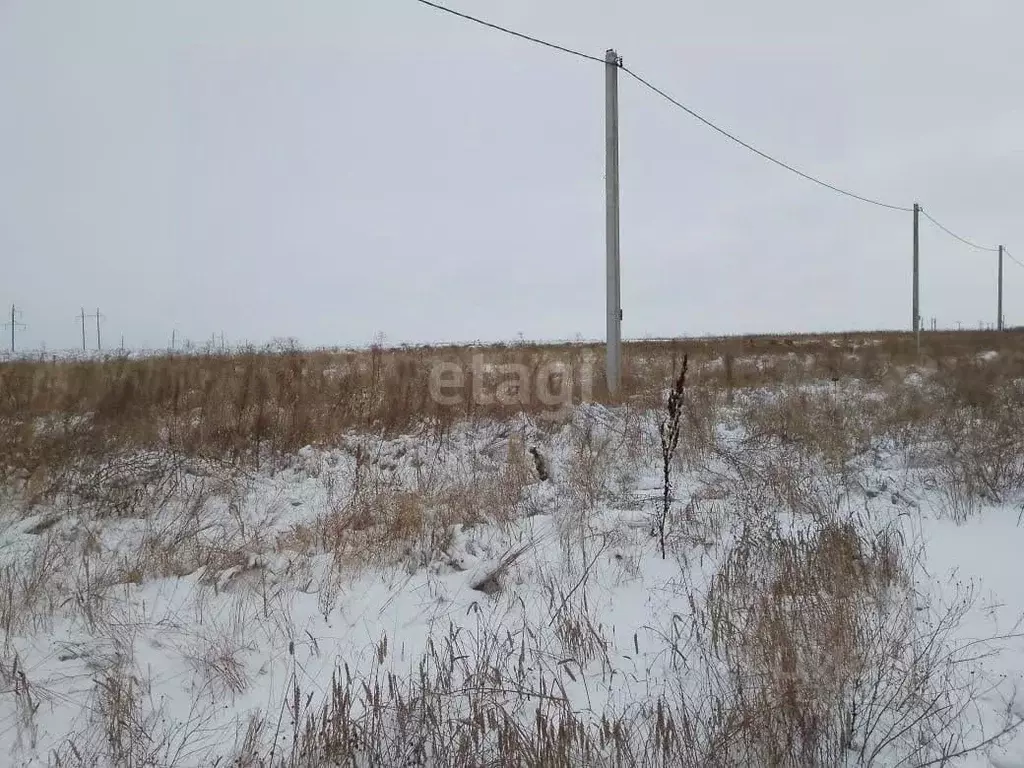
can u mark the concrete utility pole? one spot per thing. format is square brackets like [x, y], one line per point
[613, 362]
[83, 329]
[999, 309]
[99, 346]
[917, 308]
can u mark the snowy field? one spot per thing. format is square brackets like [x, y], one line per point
[836, 582]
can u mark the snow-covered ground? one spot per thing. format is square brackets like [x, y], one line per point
[422, 597]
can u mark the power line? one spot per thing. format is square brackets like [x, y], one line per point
[757, 151]
[1010, 256]
[671, 100]
[512, 32]
[953, 234]
[732, 137]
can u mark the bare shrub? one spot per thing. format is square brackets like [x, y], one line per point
[589, 463]
[980, 428]
[217, 656]
[821, 424]
[917, 697]
[813, 651]
[28, 598]
[15, 682]
[126, 730]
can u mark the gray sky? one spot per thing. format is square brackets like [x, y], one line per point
[335, 169]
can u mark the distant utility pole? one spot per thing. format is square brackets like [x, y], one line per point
[99, 345]
[613, 362]
[999, 309]
[14, 325]
[917, 317]
[82, 316]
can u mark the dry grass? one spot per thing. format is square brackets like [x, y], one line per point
[803, 647]
[800, 653]
[246, 408]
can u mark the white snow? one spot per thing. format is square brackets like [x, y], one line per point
[263, 610]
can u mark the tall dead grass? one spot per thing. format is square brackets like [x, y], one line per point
[805, 648]
[802, 650]
[249, 406]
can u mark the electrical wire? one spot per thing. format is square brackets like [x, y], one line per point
[757, 151]
[732, 137]
[664, 95]
[1011, 257]
[953, 234]
[512, 32]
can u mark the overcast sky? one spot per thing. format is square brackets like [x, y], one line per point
[337, 169]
